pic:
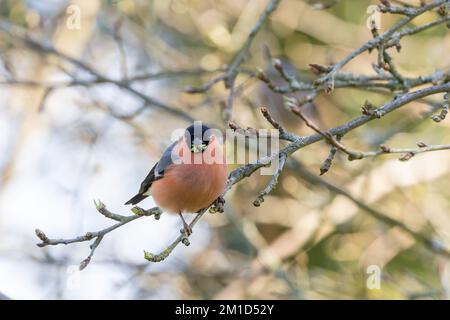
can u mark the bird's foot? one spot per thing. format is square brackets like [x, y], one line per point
[218, 205]
[187, 230]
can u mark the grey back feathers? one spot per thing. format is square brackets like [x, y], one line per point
[165, 161]
[157, 172]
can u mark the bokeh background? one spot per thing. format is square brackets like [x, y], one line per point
[62, 148]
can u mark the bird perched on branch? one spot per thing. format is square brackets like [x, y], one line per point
[190, 175]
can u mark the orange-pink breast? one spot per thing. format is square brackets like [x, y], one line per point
[189, 187]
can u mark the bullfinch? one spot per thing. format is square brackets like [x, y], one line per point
[190, 176]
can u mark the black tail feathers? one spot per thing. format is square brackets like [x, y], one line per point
[136, 199]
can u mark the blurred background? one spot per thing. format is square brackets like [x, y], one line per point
[63, 146]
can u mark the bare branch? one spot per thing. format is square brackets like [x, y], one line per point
[242, 54]
[273, 181]
[98, 235]
[18, 34]
[326, 165]
[408, 153]
[371, 44]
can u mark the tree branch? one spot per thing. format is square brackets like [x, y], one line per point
[19, 34]
[328, 79]
[98, 235]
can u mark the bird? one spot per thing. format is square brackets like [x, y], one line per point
[190, 176]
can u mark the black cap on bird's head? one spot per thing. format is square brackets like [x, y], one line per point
[197, 136]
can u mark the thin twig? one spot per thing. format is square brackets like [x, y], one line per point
[242, 53]
[273, 181]
[239, 58]
[98, 235]
[352, 155]
[408, 153]
[328, 79]
[326, 165]
[19, 34]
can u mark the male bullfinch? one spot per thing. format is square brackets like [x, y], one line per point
[190, 176]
